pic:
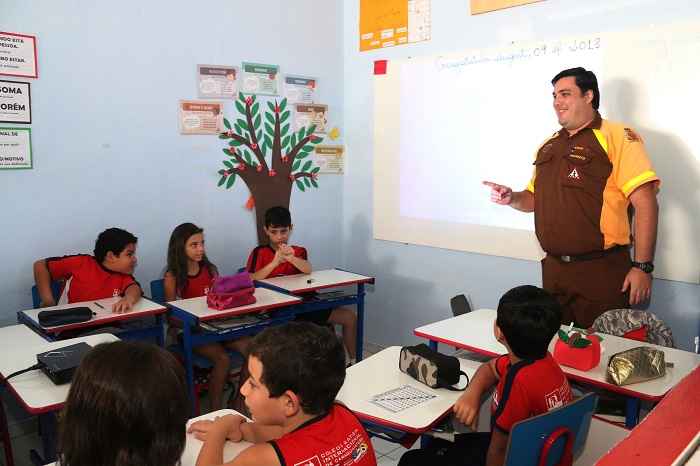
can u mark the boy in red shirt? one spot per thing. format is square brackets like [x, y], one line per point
[108, 273]
[527, 380]
[296, 371]
[278, 259]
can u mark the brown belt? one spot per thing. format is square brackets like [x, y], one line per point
[589, 255]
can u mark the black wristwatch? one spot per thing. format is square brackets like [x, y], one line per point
[647, 267]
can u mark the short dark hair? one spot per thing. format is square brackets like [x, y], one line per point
[304, 358]
[127, 406]
[278, 217]
[529, 317]
[113, 240]
[585, 80]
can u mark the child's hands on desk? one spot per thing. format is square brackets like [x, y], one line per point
[467, 409]
[230, 424]
[122, 306]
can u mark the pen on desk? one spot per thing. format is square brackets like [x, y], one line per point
[98, 305]
[310, 280]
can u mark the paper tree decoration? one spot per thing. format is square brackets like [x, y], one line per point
[268, 156]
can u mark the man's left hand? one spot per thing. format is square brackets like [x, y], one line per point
[639, 285]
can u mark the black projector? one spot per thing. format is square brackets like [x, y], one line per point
[60, 364]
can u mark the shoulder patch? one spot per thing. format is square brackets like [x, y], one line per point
[631, 136]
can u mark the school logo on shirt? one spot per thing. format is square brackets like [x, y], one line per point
[115, 292]
[310, 462]
[574, 175]
[206, 291]
[359, 452]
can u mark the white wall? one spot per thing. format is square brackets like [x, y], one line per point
[105, 140]
[414, 283]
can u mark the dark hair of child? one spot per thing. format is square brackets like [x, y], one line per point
[278, 217]
[127, 406]
[529, 317]
[302, 357]
[177, 256]
[113, 240]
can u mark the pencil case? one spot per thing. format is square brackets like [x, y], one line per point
[71, 315]
[434, 369]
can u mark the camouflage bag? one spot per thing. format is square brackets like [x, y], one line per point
[436, 370]
[624, 322]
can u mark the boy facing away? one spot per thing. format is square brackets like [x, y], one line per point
[106, 274]
[528, 381]
[296, 371]
[278, 259]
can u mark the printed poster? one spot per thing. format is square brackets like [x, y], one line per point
[299, 89]
[15, 102]
[388, 23]
[311, 114]
[15, 148]
[260, 79]
[201, 117]
[331, 159]
[18, 55]
[217, 82]
[484, 6]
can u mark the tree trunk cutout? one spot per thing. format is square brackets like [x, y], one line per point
[269, 160]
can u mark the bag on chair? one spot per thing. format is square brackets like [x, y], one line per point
[231, 291]
[436, 370]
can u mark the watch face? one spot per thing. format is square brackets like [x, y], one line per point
[647, 267]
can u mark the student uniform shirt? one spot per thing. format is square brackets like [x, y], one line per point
[197, 285]
[91, 280]
[263, 255]
[526, 389]
[336, 438]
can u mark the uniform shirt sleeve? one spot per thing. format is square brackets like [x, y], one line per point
[631, 165]
[502, 363]
[513, 407]
[63, 268]
[127, 282]
[300, 252]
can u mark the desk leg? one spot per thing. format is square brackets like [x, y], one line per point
[189, 372]
[432, 344]
[48, 431]
[360, 321]
[160, 338]
[631, 412]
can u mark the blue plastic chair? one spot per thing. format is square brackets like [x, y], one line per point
[158, 291]
[553, 438]
[56, 288]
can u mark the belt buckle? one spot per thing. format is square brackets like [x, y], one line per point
[565, 258]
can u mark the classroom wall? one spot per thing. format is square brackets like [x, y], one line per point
[106, 145]
[414, 283]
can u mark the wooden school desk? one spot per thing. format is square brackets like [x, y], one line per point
[193, 312]
[474, 331]
[323, 280]
[380, 373]
[102, 315]
[34, 391]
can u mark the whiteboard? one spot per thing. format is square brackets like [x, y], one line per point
[442, 124]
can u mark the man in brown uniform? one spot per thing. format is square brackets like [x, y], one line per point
[585, 177]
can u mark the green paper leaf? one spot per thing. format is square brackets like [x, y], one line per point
[295, 165]
[316, 170]
[311, 130]
[283, 104]
[230, 181]
[234, 143]
[221, 181]
[255, 108]
[256, 122]
[227, 124]
[268, 140]
[284, 117]
[240, 107]
[271, 107]
[293, 140]
[223, 136]
[242, 124]
[270, 119]
[221, 172]
[313, 183]
[258, 135]
[307, 182]
[308, 148]
[269, 129]
[301, 155]
[228, 164]
[246, 156]
[241, 96]
[284, 130]
[285, 141]
[306, 166]
[225, 151]
[301, 133]
[300, 185]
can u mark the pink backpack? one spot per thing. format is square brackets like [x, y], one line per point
[231, 291]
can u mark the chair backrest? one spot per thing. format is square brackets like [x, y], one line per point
[158, 291]
[460, 305]
[552, 438]
[56, 288]
[619, 322]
